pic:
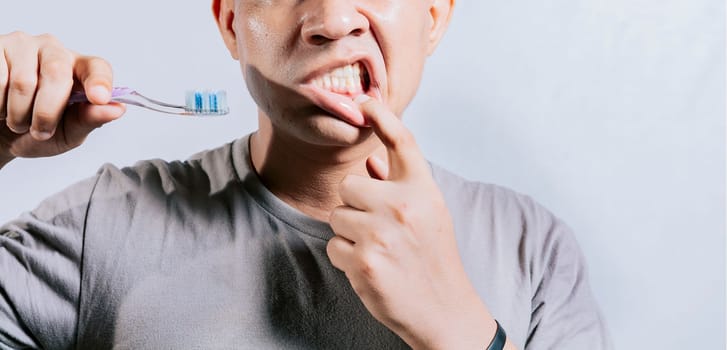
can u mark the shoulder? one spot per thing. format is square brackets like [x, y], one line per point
[491, 200]
[204, 171]
[509, 220]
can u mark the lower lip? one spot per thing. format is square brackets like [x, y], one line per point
[341, 106]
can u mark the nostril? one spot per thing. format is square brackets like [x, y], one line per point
[332, 23]
[318, 39]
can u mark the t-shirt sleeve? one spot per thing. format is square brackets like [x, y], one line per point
[565, 314]
[40, 272]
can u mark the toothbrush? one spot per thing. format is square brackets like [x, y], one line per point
[198, 102]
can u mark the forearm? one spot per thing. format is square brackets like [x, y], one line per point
[473, 327]
[483, 327]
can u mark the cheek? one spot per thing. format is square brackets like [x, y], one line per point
[405, 52]
[273, 98]
[264, 41]
[252, 34]
[404, 83]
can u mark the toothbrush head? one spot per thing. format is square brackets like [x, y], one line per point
[206, 102]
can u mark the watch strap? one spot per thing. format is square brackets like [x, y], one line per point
[498, 342]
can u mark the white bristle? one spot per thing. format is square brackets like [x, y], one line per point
[206, 102]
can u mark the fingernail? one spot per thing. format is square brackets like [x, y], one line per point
[40, 135]
[362, 98]
[101, 92]
[18, 130]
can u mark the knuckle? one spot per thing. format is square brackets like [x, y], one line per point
[404, 138]
[48, 38]
[383, 241]
[17, 38]
[367, 269]
[334, 217]
[402, 212]
[24, 84]
[57, 69]
[331, 244]
[331, 249]
[369, 266]
[44, 120]
[18, 35]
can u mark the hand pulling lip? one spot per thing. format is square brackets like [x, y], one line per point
[341, 106]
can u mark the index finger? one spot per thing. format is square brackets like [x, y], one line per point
[96, 76]
[403, 152]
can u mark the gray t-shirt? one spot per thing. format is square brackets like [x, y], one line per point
[200, 255]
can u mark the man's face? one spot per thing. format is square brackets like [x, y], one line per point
[305, 61]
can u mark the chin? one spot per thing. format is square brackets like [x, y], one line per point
[326, 130]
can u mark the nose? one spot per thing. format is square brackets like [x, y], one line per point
[330, 20]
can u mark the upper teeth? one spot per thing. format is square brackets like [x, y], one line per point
[342, 80]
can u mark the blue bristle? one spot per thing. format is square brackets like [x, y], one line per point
[213, 102]
[206, 102]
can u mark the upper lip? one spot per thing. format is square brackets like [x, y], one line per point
[366, 61]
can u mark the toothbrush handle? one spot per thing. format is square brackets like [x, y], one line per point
[80, 96]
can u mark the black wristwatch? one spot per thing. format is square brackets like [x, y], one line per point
[498, 343]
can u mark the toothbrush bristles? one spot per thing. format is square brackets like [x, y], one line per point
[207, 102]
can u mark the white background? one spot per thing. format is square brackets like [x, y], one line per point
[609, 112]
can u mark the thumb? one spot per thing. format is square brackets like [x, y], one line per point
[96, 76]
[81, 119]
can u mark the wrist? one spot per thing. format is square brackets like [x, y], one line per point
[469, 325]
[478, 327]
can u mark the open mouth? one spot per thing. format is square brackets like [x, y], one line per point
[351, 80]
[335, 89]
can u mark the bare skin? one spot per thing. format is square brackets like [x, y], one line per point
[36, 78]
[361, 171]
[350, 163]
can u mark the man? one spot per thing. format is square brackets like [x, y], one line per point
[326, 228]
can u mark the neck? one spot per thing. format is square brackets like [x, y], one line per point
[304, 175]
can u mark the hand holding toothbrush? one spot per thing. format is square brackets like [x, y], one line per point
[37, 75]
[51, 98]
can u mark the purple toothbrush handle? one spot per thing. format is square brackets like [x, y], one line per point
[80, 96]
